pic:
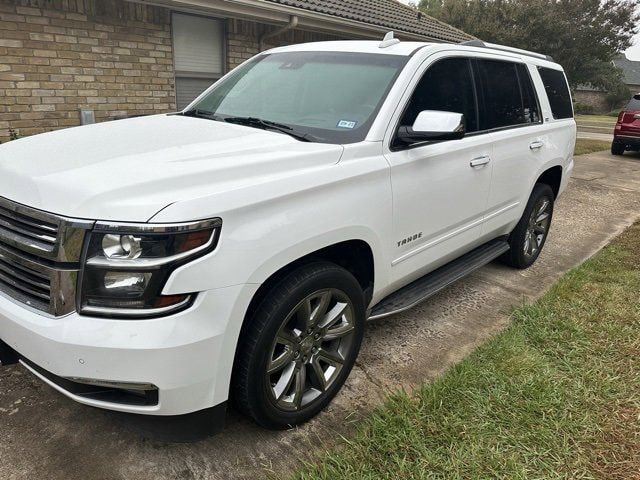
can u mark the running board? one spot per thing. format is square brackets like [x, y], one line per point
[427, 286]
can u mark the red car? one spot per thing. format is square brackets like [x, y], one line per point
[626, 135]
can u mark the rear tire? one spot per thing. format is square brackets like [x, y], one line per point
[528, 238]
[299, 345]
[617, 148]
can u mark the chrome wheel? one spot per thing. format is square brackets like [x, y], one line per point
[310, 349]
[538, 227]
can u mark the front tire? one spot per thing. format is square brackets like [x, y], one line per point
[528, 238]
[617, 148]
[299, 345]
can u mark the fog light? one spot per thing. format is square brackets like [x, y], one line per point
[127, 282]
[121, 246]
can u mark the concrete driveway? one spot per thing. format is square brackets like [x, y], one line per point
[44, 435]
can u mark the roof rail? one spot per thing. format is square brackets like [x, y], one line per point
[504, 48]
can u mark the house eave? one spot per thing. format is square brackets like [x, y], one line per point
[277, 14]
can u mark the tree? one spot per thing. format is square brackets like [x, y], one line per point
[432, 7]
[617, 94]
[582, 35]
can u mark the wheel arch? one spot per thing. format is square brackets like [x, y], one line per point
[356, 256]
[552, 177]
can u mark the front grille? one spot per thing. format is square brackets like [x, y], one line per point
[40, 257]
[33, 287]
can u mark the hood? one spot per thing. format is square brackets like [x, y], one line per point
[128, 170]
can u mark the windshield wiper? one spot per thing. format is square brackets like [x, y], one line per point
[269, 125]
[199, 113]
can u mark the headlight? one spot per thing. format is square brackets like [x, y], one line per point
[127, 265]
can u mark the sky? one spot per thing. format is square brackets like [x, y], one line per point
[632, 53]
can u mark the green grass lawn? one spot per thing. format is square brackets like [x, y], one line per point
[556, 395]
[596, 119]
[584, 145]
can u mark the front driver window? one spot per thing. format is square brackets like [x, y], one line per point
[446, 86]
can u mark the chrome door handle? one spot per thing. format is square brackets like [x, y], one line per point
[536, 145]
[479, 161]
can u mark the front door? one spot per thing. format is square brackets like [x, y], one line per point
[440, 189]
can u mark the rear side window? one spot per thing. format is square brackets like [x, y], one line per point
[555, 84]
[446, 86]
[508, 98]
[634, 104]
[530, 104]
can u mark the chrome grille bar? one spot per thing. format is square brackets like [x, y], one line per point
[41, 226]
[37, 281]
[25, 280]
[17, 227]
[23, 287]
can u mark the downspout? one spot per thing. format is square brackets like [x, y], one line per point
[293, 23]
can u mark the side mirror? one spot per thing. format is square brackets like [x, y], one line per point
[433, 125]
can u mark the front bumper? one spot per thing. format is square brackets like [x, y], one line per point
[187, 357]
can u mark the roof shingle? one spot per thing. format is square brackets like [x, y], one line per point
[630, 68]
[390, 14]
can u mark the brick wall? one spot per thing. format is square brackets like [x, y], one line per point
[594, 99]
[57, 56]
[243, 39]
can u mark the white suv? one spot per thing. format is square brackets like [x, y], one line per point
[161, 265]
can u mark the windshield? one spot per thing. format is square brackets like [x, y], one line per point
[331, 96]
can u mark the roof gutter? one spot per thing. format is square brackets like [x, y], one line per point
[260, 11]
[293, 23]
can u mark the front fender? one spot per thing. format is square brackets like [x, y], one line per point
[348, 201]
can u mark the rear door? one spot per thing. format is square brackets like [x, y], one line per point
[510, 116]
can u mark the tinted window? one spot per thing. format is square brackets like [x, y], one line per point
[555, 84]
[446, 86]
[504, 104]
[634, 104]
[531, 109]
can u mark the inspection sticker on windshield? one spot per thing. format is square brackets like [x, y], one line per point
[346, 124]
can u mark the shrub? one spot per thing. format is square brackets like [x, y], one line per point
[583, 109]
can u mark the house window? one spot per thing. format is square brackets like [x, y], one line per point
[198, 55]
